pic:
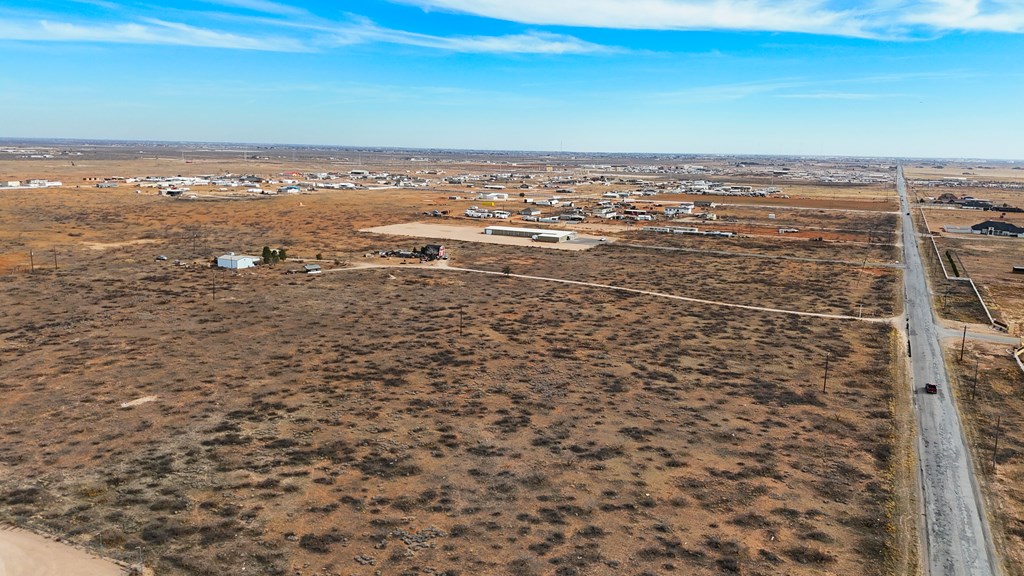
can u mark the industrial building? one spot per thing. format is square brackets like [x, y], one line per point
[236, 261]
[532, 233]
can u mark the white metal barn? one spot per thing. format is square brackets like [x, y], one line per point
[538, 235]
[236, 261]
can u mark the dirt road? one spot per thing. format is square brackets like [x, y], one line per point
[956, 539]
[26, 554]
[443, 265]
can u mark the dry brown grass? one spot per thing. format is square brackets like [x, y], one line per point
[989, 262]
[316, 423]
[587, 431]
[734, 279]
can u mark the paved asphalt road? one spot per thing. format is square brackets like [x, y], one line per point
[956, 539]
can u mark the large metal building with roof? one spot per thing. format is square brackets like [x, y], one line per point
[539, 235]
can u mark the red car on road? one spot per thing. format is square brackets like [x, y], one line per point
[931, 388]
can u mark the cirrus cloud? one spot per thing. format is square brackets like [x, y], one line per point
[866, 19]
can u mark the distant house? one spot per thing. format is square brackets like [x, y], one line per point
[493, 196]
[997, 228]
[311, 268]
[671, 211]
[977, 204]
[529, 212]
[236, 261]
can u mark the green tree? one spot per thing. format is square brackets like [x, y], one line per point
[506, 270]
[267, 254]
[282, 254]
[319, 255]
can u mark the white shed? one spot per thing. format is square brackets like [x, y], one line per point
[236, 261]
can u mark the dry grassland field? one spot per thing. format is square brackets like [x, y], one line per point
[939, 217]
[385, 418]
[1012, 197]
[804, 286]
[772, 247]
[988, 260]
[995, 172]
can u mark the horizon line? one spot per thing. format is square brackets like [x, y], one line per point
[16, 139]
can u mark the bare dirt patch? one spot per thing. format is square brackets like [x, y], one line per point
[25, 554]
[475, 234]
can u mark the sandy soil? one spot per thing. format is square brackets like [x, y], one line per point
[465, 233]
[26, 554]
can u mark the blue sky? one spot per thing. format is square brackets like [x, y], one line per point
[938, 78]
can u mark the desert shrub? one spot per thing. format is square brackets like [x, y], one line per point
[808, 555]
[320, 543]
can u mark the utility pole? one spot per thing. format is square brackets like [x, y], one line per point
[825, 383]
[963, 343]
[974, 389]
[54, 257]
[32, 261]
[995, 448]
[460, 319]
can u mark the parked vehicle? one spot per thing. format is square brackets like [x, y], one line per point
[930, 388]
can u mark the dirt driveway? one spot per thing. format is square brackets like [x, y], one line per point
[26, 554]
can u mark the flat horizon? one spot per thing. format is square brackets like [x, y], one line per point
[357, 147]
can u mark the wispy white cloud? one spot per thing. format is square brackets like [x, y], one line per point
[145, 31]
[279, 28]
[532, 42]
[731, 91]
[971, 15]
[99, 3]
[263, 6]
[835, 96]
[804, 88]
[868, 19]
[766, 15]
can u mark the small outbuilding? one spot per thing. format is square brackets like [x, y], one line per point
[312, 268]
[434, 252]
[234, 261]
